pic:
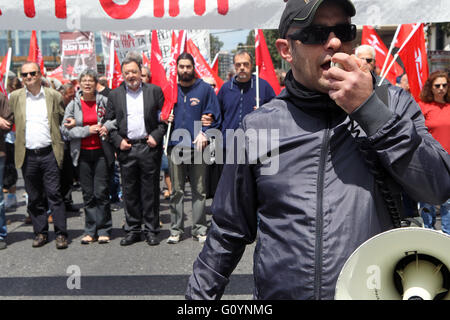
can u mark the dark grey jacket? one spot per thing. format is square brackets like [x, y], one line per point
[323, 202]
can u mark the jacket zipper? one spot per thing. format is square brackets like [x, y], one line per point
[319, 213]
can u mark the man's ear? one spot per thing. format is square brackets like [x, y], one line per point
[284, 49]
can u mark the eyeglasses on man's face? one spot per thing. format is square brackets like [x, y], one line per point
[317, 34]
[25, 74]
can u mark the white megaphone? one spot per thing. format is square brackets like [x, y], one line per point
[404, 263]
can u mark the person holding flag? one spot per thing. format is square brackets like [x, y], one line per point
[195, 98]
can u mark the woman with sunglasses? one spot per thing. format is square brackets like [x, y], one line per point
[90, 150]
[435, 105]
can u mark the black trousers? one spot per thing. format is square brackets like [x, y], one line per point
[139, 169]
[94, 181]
[42, 178]
[67, 174]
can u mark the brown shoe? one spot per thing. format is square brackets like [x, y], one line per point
[50, 219]
[40, 240]
[28, 220]
[61, 242]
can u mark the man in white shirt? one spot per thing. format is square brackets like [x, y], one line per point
[138, 141]
[39, 151]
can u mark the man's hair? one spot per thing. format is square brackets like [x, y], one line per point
[426, 95]
[31, 62]
[148, 70]
[132, 58]
[186, 56]
[63, 89]
[243, 52]
[365, 47]
[88, 73]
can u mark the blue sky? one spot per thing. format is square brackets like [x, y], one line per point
[231, 38]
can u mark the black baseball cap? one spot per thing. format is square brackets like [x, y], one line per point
[301, 13]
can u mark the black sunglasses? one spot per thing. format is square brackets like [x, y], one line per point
[319, 34]
[438, 85]
[25, 74]
[369, 60]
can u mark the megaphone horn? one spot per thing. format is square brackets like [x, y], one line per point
[404, 263]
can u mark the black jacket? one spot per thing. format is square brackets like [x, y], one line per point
[117, 109]
[323, 202]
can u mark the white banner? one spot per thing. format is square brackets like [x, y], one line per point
[112, 15]
[139, 41]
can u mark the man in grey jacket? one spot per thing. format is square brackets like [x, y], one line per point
[334, 130]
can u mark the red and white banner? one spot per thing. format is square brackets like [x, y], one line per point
[201, 66]
[264, 62]
[414, 58]
[116, 78]
[371, 38]
[97, 15]
[140, 41]
[77, 53]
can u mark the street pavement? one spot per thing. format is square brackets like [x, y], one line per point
[105, 271]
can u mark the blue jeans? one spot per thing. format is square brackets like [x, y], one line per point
[428, 213]
[2, 201]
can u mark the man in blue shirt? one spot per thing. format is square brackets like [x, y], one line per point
[237, 97]
[187, 141]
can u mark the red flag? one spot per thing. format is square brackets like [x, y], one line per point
[159, 74]
[117, 77]
[414, 57]
[215, 64]
[3, 67]
[371, 38]
[145, 60]
[201, 66]
[403, 33]
[264, 62]
[35, 54]
[57, 74]
[177, 46]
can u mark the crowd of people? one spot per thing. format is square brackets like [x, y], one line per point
[331, 123]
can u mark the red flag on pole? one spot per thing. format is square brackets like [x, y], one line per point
[178, 46]
[145, 60]
[159, 77]
[117, 78]
[215, 64]
[405, 30]
[264, 62]
[371, 38]
[201, 66]
[35, 54]
[4, 68]
[414, 57]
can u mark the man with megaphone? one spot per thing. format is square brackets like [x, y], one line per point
[346, 150]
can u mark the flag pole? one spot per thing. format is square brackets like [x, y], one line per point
[166, 140]
[8, 65]
[401, 48]
[111, 63]
[257, 72]
[390, 49]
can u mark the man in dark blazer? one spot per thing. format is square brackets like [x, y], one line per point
[39, 151]
[138, 141]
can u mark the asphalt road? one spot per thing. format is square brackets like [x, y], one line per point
[105, 271]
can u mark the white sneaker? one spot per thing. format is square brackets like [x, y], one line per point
[173, 239]
[200, 239]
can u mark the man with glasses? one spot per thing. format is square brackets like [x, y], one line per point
[324, 201]
[39, 151]
[367, 55]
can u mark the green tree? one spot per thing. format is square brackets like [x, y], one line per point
[271, 35]
[215, 45]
